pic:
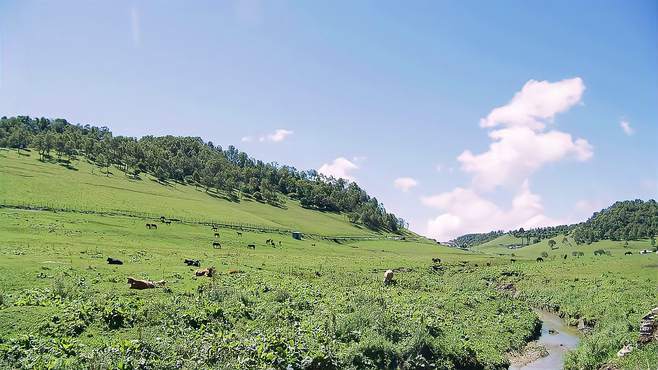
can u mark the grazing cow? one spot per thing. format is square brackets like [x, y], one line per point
[162, 218]
[167, 222]
[539, 259]
[239, 233]
[216, 235]
[512, 260]
[144, 284]
[209, 272]
[190, 262]
[216, 245]
[488, 263]
[252, 246]
[148, 226]
[436, 260]
[565, 256]
[114, 261]
[644, 251]
[388, 277]
[628, 253]
[214, 228]
[279, 243]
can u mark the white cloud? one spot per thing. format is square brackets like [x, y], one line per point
[277, 136]
[517, 152]
[405, 183]
[538, 101]
[626, 126]
[465, 211]
[520, 146]
[339, 168]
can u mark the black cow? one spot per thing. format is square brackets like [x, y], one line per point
[252, 246]
[436, 260]
[168, 222]
[190, 262]
[628, 253]
[216, 245]
[539, 259]
[512, 260]
[114, 261]
[216, 235]
[239, 233]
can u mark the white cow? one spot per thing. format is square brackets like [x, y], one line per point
[388, 277]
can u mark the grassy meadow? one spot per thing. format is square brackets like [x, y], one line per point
[304, 304]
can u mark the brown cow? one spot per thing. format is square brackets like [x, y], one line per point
[209, 272]
[144, 284]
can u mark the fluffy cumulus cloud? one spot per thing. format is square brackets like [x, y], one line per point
[536, 103]
[520, 145]
[405, 183]
[626, 126]
[466, 211]
[516, 152]
[340, 168]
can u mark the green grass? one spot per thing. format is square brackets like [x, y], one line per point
[312, 303]
[87, 187]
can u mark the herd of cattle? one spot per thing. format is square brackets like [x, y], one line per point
[208, 272]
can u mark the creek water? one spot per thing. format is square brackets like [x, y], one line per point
[564, 339]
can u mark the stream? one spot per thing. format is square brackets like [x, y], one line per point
[558, 344]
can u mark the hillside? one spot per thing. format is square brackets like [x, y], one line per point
[82, 186]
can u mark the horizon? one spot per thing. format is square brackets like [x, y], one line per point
[456, 126]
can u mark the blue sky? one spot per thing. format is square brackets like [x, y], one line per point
[373, 90]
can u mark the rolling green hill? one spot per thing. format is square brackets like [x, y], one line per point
[83, 186]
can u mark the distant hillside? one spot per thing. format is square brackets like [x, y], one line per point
[627, 220]
[470, 240]
[225, 173]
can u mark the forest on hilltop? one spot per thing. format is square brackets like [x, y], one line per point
[625, 220]
[193, 161]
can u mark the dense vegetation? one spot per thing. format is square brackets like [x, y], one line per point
[627, 220]
[470, 240]
[191, 160]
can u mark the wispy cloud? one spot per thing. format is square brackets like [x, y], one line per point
[405, 183]
[626, 126]
[341, 167]
[135, 27]
[277, 136]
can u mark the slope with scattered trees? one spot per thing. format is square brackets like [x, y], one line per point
[191, 160]
[627, 220]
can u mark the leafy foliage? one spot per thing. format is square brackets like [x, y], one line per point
[627, 220]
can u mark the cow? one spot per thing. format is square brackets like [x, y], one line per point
[190, 262]
[628, 253]
[252, 246]
[279, 243]
[239, 233]
[564, 257]
[512, 260]
[114, 261]
[388, 277]
[144, 284]
[209, 272]
[214, 228]
[644, 251]
[436, 260]
[151, 226]
[167, 222]
[539, 259]
[216, 235]
[148, 226]
[216, 245]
